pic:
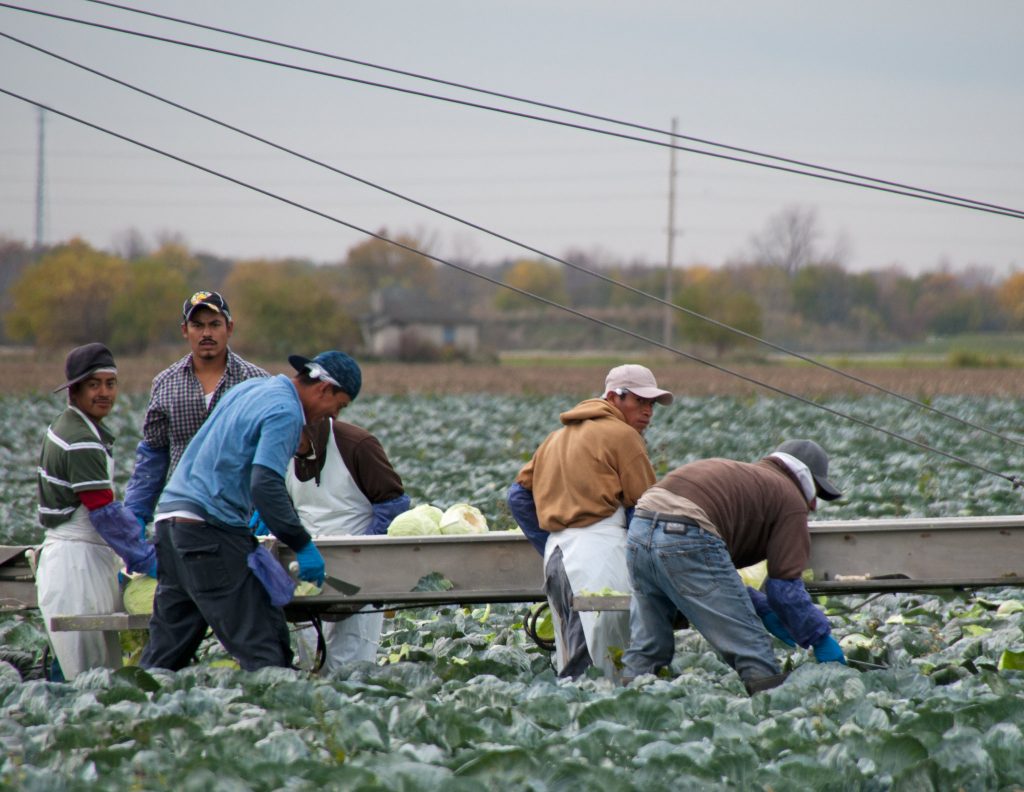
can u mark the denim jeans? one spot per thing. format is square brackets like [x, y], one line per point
[692, 572]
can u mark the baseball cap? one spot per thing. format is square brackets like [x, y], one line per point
[637, 380]
[814, 456]
[84, 361]
[205, 299]
[331, 366]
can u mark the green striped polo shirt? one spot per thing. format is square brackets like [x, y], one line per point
[73, 460]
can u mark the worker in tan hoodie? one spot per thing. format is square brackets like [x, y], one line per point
[571, 501]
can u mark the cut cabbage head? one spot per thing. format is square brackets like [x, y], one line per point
[424, 520]
[462, 518]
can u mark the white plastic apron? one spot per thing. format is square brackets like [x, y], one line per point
[337, 507]
[77, 575]
[595, 558]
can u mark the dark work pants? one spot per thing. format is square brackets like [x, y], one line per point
[574, 643]
[203, 580]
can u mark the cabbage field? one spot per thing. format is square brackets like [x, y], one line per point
[461, 699]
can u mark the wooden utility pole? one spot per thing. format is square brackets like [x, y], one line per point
[668, 312]
[40, 180]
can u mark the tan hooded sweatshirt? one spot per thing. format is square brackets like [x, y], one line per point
[584, 471]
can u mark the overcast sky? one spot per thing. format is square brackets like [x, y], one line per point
[924, 92]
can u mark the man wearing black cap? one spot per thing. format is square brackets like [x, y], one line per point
[210, 572]
[86, 529]
[690, 532]
[183, 396]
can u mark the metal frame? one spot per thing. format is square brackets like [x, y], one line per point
[846, 556]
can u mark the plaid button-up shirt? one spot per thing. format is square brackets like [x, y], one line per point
[177, 406]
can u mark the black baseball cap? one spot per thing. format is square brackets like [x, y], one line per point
[84, 361]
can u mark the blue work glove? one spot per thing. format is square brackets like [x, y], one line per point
[152, 570]
[828, 650]
[773, 624]
[257, 526]
[311, 564]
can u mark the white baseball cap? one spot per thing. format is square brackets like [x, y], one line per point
[637, 380]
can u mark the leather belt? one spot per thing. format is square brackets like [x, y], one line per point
[644, 514]
[182, 521]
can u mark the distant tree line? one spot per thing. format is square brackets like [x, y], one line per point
[788, 290]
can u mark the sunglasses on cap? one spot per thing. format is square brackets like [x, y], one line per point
[318, 372]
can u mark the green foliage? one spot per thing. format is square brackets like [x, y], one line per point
[374, 265]
[148, 310]
[66, 297]
[537, 277]
[288, 307]
[716, 294]
[461, 699]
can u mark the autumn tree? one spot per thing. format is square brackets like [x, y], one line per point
[375, 264]
[719, 295]
[288, 307]
[535, 276]
[65, 298]
[148, 310]
[1011, 299]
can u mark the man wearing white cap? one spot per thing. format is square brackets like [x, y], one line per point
[571, 500]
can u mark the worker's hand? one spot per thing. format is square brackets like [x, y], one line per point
[257, 526]
[311, 564]
[152, 570]
[828, 650]
[773, 624]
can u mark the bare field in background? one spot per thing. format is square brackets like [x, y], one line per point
[25, 371]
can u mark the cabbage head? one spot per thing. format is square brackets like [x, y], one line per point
[461, 518]
[754, 575]
[138, 594]
[424, 520]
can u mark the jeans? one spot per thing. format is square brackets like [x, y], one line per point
[690, 571]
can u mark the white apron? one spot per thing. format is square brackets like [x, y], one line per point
[336, 507]
[595, 558]
[77, 575]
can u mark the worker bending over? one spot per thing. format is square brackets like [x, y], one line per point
[693, 529]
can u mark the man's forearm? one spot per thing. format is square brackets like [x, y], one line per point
[270, 497]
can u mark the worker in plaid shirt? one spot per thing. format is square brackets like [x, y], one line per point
[183, 396]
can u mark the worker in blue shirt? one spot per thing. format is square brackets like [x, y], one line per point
[235, 462]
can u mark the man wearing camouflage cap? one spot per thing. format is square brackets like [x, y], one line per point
[183, 395]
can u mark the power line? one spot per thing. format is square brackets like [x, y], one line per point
[1014, 480]
[535, 103]
[908, 192]
[666, 302]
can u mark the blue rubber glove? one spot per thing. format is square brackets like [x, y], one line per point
[773, 624]
[152, 570]
[311, 564]
[257, 526]
[828, 650]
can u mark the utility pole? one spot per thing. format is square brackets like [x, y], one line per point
[668, 317]
[40, 179]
